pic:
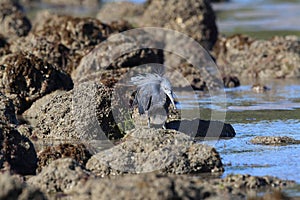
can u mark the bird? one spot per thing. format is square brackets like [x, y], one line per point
[153, 96]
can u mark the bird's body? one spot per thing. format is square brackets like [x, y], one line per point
[153, 97]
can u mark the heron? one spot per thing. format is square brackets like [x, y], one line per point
[153, 96]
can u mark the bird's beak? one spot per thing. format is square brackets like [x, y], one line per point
[170, 95]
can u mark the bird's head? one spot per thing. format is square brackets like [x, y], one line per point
[167, 89]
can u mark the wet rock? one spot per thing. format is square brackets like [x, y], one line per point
[4, 46]
[246, 181]
[146, 150]
[7, 111]
[14, 22]
[243, 56]
[259, 88]
[274, 140]
[17, 151]
[193, 17]
[119, 51]
[78, 152]
[83, 113]
[202, 128]
[63, 40]
[25, 78]
[61, 175]
[231, 81]
[12, 188]
[125, 10]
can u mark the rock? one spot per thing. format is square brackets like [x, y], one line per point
[78, 152]
[61, 175]
[124, 10]
[7, 111]
[167, 186]
[4, 46]
[83, 113]
[17, 152]
[63, 40]
[200, 128]
[246, 181]
[12, 188]
[274, 140]
[14, 22]
[259, 88]
[243, 56]
[146, 150]
[25, 78]
[85, 3]
[118, 52]
[195, 18]
[144, 186]
[231, 81]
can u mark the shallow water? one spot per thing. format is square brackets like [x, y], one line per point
[272, 113]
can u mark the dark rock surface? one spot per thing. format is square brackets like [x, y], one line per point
[274, 140]
[7, 111]
[13, 23]
[193, 17]
[243, 56]
[63, 40]
[202, 128]
[78, 152]
[4, 46]
[25, 78]
[61, 175]
[17, 152]
[146, 150]
[12, 188]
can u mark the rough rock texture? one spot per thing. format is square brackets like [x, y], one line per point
[4, 46]
[25, 78]
[14, 22]
[240, 181]
[231, 81]
[124, 10]
[60, 176]
[63, 40]
[274, 140]
[158, 186]
[193, 17]
[146, 150]
[78, 152]
[240, 55]
[12, 188]
[17, 152]
[119, 51]
[199, 128]
[87, 3]
[82, 113]
[7, 111]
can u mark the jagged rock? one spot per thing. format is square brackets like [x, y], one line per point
[243, 56]
[7, 111]
[4, 46]
[25, 78]
[63, 40]
[146, 150]
[274, 140]
[195, 18]
[78, 152]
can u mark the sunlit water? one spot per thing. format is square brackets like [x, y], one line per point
[272, 113]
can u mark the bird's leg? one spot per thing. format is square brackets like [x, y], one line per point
[164, 126]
